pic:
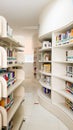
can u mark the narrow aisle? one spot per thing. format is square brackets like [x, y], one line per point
[36, 117]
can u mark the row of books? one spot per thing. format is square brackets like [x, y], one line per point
[69, 71]
[69, 104]
[65, 37]
[5, 26]
[69, 55]
[46, 79]
[46, 56]
[46, 68]
[69, 87]
[9, 76]
[46, 44]
[47, 91]
[9, 30]
[11, 55]
[10, 101]
[7, 103]
[10, 125]
[11, 52]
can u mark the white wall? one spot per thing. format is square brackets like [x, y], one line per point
[57, 14]
[26, 39]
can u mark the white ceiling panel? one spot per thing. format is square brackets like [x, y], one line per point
[21, 13]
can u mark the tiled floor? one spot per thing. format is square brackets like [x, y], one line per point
[37, 118]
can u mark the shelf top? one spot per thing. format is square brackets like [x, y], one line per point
[45, 61]
[13, 87]
[15, 106]
[64, 45]
[45, 49]
[8, 41]
[63, 107]
[46, 36]
[45, 97]
[65, 27]
[65, 94]
[45, 84]
[65, 62]
[66, 78]
[15, 65]
[17, 121]
[45, 73]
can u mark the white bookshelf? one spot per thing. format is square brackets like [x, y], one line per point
[58, 104]
[18, 121]
[59, 78]
[43, 96]
[45, 60]
[36, 60]
[7, 44]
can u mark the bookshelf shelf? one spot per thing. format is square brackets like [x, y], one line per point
[15, 65]
[45, 49]
[61, 99]
[15, 86]
[45, 73]
[45, 69]
[63, 45]
[36, 59]
[64, 94]
[45, 61]
[65, 62]
[13, 109]
[64, 108]
[8, 41]
[45, 97]
[45, 85]
[66, 78]
[11, 77]
[18, 122]
[62, 79]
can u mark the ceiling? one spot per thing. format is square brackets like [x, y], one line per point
[22, 13]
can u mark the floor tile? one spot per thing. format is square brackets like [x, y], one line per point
[37, 117]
